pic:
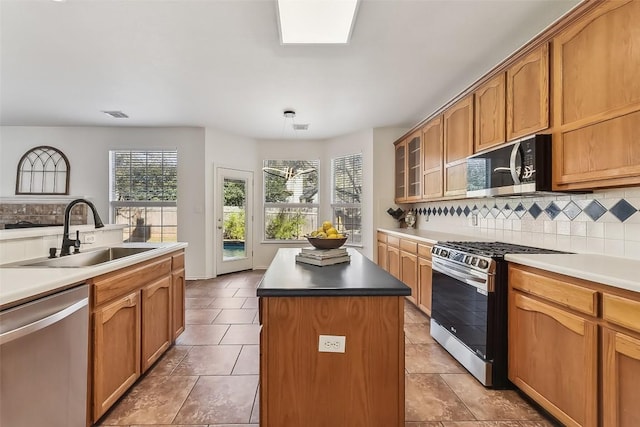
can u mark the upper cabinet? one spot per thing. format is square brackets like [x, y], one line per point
[490, 113]
[409, 169]
[458, 145]
[432, 139]
[528, 94]
[596, 99]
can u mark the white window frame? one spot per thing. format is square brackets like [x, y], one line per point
[271, 205]
[339, 205]
[115, 204]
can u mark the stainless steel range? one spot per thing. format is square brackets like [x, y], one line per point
[469, 307]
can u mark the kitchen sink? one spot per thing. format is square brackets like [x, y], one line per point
[82, 259]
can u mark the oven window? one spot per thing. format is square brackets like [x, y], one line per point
[462, 310]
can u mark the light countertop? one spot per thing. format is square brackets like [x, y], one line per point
[22, 233]
[430, 236]
[21, 284]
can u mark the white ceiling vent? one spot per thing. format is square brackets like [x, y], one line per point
[117, 114]
[300, 126]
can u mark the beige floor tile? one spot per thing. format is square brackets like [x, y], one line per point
[242, 334]
[202, 334]
[481, 424]
[168, 425]
[227, 303]
[209, 360]
[220, 400]
[430, 359]
[428, 398]
[193, 292]
[251, 303]
[486, 404]
[245, 292]
[169, 360]
[249, 361]
[424, 424]
[418, 333]
[197, 302]
[255, 412]
[236, 316]
[200, 316]
[154, 400]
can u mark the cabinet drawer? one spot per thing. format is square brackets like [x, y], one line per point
[564, 293]
[409, 246]
[118, 283]
[424, 251]
[393, 241]
[178, 261]
[621, 311]
[382, 237]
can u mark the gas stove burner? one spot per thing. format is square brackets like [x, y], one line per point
[495, 249]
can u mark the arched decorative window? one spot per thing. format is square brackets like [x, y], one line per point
[43, 170]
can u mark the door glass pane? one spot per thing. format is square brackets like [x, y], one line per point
[234, 213]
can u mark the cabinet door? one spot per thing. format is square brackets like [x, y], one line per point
[597, 99]
[458, 145]
[156, 320]
[414, 167]
[177, 303]
[393, 261]
[424, 285]
[528, 94]
[409, 274]
[620, 379]
[400, 168]
[432, 141]
[553, 359]
[116, 350]
[382, 256]
[490, 113]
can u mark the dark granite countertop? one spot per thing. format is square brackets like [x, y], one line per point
[361, 277]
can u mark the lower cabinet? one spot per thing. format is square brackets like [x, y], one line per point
[424, 285]
[393, 261]
[116, 355]
[382, 255]
[409, 274]
[156, 320]
[178, 284]
[620, 379]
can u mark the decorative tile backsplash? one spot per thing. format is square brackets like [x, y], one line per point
[601, 222]
[40, 213]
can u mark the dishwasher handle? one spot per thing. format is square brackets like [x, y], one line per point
[42, 323]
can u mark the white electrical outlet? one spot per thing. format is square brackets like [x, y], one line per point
[332, 343]
[89, 238]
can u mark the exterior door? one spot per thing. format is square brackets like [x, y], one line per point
[234, 220]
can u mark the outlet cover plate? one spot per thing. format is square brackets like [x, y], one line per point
[332, 344]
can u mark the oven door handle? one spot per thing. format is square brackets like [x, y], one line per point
[463, 276]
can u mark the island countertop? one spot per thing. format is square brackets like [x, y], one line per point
[360, 277]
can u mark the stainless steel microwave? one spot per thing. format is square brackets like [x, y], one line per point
[519, 168]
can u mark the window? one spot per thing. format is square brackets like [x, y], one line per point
[290, 198]
[346, 196]
[144, 194]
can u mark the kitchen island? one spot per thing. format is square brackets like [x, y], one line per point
[303, 382]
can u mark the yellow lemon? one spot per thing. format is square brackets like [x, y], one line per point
[332, 231]
[332, 236]
[321, 235]
[326, 225]
[339, 236]
[314, 233]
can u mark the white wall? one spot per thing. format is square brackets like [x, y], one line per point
[87, 149]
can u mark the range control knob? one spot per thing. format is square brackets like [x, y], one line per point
[468, 259]
[444, 253]
[483, 263]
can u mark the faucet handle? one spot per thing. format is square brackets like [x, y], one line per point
[52, 252]
[76, 243]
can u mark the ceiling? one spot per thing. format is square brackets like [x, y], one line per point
[219, 64]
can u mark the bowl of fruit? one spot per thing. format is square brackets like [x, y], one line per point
[326, 237]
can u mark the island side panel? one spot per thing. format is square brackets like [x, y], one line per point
[362, 387]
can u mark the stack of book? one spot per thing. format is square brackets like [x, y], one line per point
[322, 257]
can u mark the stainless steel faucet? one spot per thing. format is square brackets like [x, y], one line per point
[67, 243]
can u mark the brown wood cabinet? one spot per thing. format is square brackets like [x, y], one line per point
[490, 114]
[409, 173]
[401, 171]
[116, 350]
[458, 145]
[432, 140]
[596, 100]
[528, 94]
[393, 256]
[409, 267]
[424, 278]
[382, 251]
[556, 357]
[135, 317]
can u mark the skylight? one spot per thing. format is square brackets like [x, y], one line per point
[316, 21]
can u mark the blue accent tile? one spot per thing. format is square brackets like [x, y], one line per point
[475, 209]
[507, 211]
[429, 212]
[622, 210]
[572, 210]
[466, 211]
[439, 211]
[594, 210]
[452, 210]
[535, 211]
[446, 211]
[520, 210]
[459, 211]
[552, 210]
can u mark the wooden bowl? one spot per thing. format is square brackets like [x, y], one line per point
[326, 243]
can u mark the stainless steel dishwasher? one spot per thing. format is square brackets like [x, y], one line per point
[43, 361]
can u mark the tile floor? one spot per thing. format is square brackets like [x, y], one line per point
[210, 377]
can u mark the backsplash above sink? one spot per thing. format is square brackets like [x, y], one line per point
[606, 222]
[40, 213]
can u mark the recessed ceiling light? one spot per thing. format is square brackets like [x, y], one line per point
[116, 114]
[316, 21]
